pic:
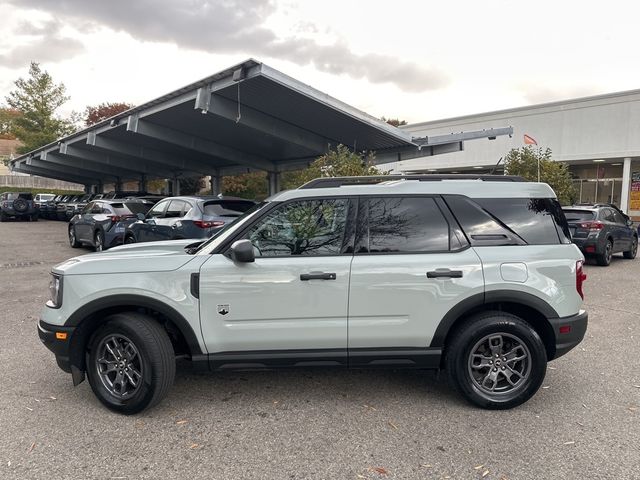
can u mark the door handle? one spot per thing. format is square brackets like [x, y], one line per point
[317, 276]
[444, 273]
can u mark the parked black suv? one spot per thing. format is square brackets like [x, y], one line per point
[601, 230]
[17, 205]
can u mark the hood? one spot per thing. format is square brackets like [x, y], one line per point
[138, 257]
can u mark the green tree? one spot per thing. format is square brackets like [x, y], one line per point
[37, 98]
[340, 162]
[524, 162]
[252, 185]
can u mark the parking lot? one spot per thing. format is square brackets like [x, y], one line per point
[325, 424]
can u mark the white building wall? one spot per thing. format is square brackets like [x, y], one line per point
[602, 127]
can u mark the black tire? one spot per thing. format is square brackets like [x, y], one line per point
[20, 205]
[604, 259]
[468, 377]
[98, 241]
[631, 253]
[154, 362]
[3, 216]
[73, 240]
[129, 239]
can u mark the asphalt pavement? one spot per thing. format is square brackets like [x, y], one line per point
[584, 423]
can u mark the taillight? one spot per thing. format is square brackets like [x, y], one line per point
[580, 277]
[204, 224]
[592, 226]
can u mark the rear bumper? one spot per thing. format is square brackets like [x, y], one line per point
[59, 346]
[569, 331]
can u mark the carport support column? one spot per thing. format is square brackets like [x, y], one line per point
[626, 185]
[216, 183]
[118, 185]
[274, 182]
[142, 183]
[176, 186]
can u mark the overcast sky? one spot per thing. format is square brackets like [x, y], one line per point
[416, 60]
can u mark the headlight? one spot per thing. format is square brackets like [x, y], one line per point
[55, 291]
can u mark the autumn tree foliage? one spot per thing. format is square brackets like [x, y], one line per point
[95, 114]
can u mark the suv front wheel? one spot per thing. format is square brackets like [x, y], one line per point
[496, 360]
[131, 363]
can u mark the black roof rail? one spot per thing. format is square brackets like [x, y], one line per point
[330, 182]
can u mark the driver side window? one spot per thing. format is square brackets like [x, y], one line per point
[158, 210]
[301, 228]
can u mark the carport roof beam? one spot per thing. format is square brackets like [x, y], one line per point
[197, 144]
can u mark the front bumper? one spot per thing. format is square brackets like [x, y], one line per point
[569, 331]
[51, 337]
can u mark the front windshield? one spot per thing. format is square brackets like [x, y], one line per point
[229, 226]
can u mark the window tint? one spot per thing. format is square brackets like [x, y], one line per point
[538, 221]
[157, 210]
[579, 215]
[174, 209]
[137, 207]
[409, 224]
[227, 208]
[619, 218]
[307, 227]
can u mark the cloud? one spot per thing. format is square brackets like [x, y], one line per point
[49, 45]
[542, 94]
[237, 27]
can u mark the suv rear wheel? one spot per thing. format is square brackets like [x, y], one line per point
[131, 363]
[98, 241]
[496, 360]
[631, 253]
[604, 259]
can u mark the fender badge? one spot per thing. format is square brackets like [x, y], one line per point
[223, 309]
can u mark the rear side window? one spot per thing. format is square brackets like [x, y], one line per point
[579, 215]
[511, 221]
[227, 208]
[403, 225]
[132, 208]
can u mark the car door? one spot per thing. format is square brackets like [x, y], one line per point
[289, 307]
[83, 225]
[412, 265]
[168, 226]
[625, 233]
[145, 231]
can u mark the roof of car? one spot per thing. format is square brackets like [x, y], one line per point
[474, 188]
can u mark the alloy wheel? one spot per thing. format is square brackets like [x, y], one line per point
[119, 366]
[499, 364]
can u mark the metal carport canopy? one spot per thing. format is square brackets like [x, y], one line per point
[247, 117]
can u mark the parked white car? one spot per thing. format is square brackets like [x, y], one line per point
[477, 276]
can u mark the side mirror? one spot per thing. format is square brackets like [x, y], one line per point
[242, 251]
[629, 222]
[140, 216]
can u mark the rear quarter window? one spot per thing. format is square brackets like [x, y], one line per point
[510, 221]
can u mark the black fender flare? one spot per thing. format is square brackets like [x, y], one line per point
[84, 322]
[493, 296]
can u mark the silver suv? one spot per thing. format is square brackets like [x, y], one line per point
[477, 276]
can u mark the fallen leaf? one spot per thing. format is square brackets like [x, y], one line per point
[478, 467]
[181, 422]
[633, 409]
[9, 463]
[584, 405]
[485, 473]
[30, 409]
[381, 470]
[569, 443]
[194, 446]
[426, 465]
[545, 387]
[551, 368]
[393, 425]
[370, 407]
[581, 424]
[636, 386]
[360, 476]
[33, 445]
[52, 397]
